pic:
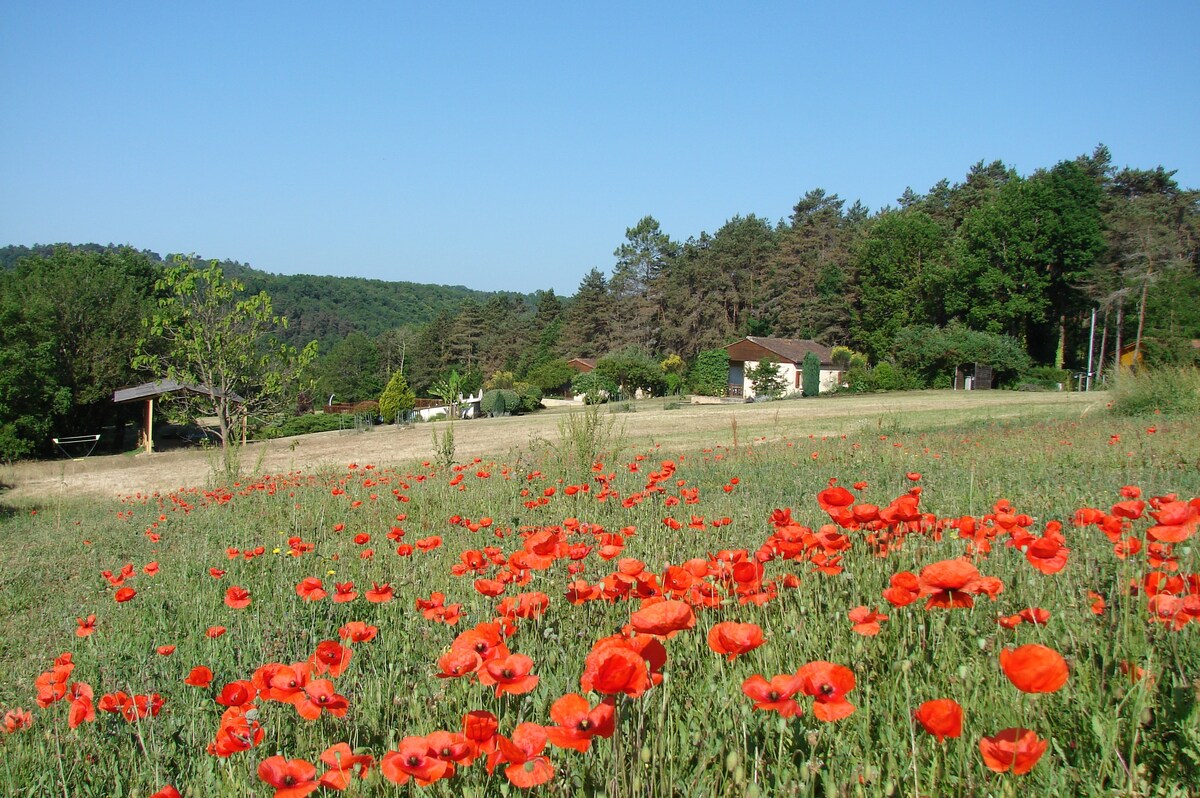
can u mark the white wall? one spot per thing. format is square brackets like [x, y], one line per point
[829, 378]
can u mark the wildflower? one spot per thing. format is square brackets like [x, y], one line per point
[291, 778]
[1034, 668]
[1015, 749]
[828, 684]
[775, 695]
[734, 639]
[942, 717]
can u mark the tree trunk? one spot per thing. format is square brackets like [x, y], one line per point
[1137, 347]
[1120, 326]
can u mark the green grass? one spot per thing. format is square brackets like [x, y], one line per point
[695, 734]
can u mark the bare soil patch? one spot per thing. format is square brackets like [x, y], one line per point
[689, 426]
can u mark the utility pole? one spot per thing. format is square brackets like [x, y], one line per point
[1091, 346]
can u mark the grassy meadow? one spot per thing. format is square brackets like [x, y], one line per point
[552, 552]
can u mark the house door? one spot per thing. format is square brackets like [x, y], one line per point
[737, 377]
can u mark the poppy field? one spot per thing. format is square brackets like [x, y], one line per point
[1000, 609]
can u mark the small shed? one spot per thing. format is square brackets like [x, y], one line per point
[582, 364]
[789, 353]
[149, 391]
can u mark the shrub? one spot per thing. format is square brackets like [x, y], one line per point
[883, 377]
[811, 374]
[710, 373]
[529, 397]
[500, 402]
[595, 388]
[306, 425]
[397, 399]
[1170, 391]
[767, 381]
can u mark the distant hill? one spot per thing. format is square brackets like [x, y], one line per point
[320, 307]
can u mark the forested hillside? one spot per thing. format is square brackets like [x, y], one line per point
[1015, 263]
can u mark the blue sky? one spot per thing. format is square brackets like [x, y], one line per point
[509, 145]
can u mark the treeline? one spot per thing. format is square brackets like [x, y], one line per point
[997, 256]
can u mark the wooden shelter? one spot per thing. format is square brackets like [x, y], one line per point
[149, 391]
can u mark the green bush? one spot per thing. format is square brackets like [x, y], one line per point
[529, 397]
[811, 374]
[710, 373]
[1169, 391]
[306, 425]
[883, 377]
[594, 387]
[397, 399]
[499, 402]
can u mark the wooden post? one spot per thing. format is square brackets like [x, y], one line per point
[150, 425]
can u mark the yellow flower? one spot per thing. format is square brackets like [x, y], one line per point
[275, 550]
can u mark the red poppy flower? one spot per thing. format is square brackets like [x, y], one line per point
[319, 695]
[199, 676]
[343, 592]
[663, 618]
[775, 695]
[866, 621]
[613, 666]
[168, 791]
[379, 594]
[950, 583]
[291, 778]
[310, 588]
[17, 719]
[414, 760]
[237, 597]
[578, 722]
[1034, 668]
[124, 594]
[828, 684]
[86, 626]
[942, 717]
[480, 727]
[332, 657]
[1017, 750]
[526, 767]
[734, 639]
[343, 764]
[510, 674]
[237, 694]
[358, 632]
[165, 651]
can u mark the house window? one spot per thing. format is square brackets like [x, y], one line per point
[797, 377]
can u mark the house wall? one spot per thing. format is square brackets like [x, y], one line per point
[793, 378]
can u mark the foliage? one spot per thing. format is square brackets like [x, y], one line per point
[450, 390]
[444, 447]
[530, 397]
[69, 319]
[350, 371]
[594, 387]
[811, 374]
[585, 437]
[550, 375]
[203, 333]
[840, 357]
[632, 369]
[397, 399]
[1045, 378]
[882, 377]
[306, 424]
[673, 368]
[709, 375]
[930, 351]
[1169, 391]
[499, 402]
[498, 380]
[766, 379]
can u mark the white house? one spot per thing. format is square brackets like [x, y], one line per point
[788, 353]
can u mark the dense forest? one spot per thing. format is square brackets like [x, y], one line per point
[1020, 261]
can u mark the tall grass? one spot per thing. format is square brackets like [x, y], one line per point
[694, 734]
[1173, 391]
